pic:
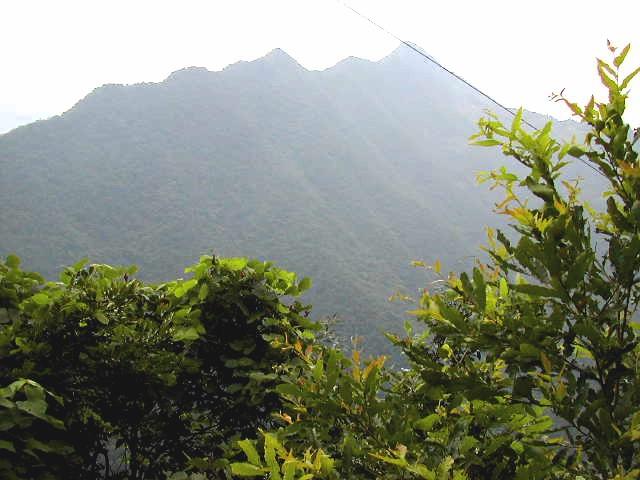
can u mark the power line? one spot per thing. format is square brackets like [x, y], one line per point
[450, 72]
[432, 60]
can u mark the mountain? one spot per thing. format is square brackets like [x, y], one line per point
[344, 175]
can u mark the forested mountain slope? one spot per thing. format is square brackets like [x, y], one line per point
[344, 175]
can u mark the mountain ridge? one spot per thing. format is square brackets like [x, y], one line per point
[345, 174]
[401, 52]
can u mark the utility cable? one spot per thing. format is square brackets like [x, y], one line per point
[450, 72]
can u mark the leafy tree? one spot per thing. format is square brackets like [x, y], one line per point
[549, 325]
[234, 324]
[556, 310]
[150, 376]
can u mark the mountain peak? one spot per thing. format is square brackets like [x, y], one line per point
[275, 60]
[405, 50]
[278, 53]
[279, 57]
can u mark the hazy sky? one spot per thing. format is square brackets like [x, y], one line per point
[55, 52]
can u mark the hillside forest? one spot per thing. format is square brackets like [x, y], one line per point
[524, 366]
[345, 175]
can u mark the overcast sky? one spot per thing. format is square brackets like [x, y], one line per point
[55, 52]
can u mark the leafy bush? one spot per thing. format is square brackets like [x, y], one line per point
[151, 376]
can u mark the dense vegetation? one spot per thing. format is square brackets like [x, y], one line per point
[344, 175]
[142, 377]
[528, 367]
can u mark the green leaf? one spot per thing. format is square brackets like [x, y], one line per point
[426, 424]
[607, 81]
[578, 269]
[468, 443]
[247, 470]
[10, 390]
[423, 472]
[504, 288]
[179, 476]
[480, 289]
[487, 143]
[34, 444]
[444, 467]
[41, 299]
[466, 284]
[250, 451]
[620, 58]
[203, 292]
[618, 218]
[288, 389]
[7, 445]
[542, 191]
[332, 369]
[628, 78]
[271, 446]
[346, 392]
[101, 317]
[184, 287]
[79, 265]
[517, 121]
[185, 334]
[517, 447]
[292, 291]
[535, 290]
[576, 151]
[495, 444]
[13, 261]
[400, 462]
[289, 470]
[35, 407]
[234, 264]
[529, 350]
[318, 370]
[305, 284]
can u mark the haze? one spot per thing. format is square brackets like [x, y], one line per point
[56, 52]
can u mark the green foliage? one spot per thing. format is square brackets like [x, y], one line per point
[29, 439]
[280, 464]
[150, 378]
[15, 286]
[528, 366]
[549, 326]
[565, 327]
[378, 423]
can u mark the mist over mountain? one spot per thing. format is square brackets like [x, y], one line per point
[344, 175]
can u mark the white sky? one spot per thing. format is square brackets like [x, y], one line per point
[55, 52]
